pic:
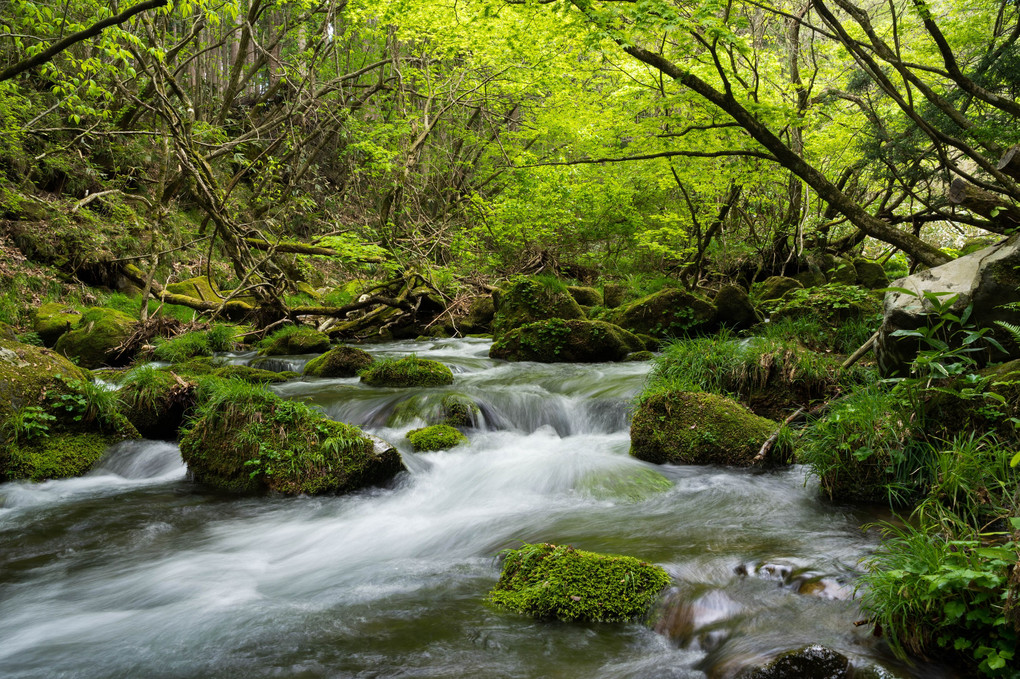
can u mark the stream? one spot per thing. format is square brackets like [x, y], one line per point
[132, 571]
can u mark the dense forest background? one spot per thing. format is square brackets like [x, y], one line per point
[477, 140]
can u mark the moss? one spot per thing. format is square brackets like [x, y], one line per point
[53, 320]
[294, 339]
[156, 402]
[94, 341]
[640, 356]
[183, 347]
[734, 307]
[246, 439]
[992, 403]
[479, 316]
[435, 437]
[194, 367]
[573, 341]
[562, 583]
[409, 371]
[527, 300]
[585, 296]
[697, 428]
[870, 274]
[28, 373]
[776, 287]
[667, 313]
[199, 287]
[56, 456]
[252, 375]
[339, 362]
[845, 273]
[459, 411]
[613, 295]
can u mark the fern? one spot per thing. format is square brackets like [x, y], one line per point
[1012, 329]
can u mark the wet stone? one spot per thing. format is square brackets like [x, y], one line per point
[810, 662]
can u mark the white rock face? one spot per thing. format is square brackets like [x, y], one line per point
[988, 279]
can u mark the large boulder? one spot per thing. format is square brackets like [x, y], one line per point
[200, 288]
[339, 362]
[479, 316]
[559, 341]
[53, 320]
[409, 371]
[558, 582]
[697, 428]
[734, 308]
[776, 287]
[871, 274]
[245, 439]
[585, 296]
[95, 341]
[28, 373]
[667, 313]
[294, 339]
[527, 300]
[988, 280]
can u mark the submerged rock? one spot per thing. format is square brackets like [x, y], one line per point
[527, 300]
[667, 313]
[558, 582]
[248, 440]
[95, 340]
[810, 662]
[697, 428]
[988, 280]
[409, 371]
[435, 437]
[559, 341]
[339, 362]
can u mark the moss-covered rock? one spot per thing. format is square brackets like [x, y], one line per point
[459, 411]
[156, 402]
[559, 341]
[479, 316]
[845, 273]
[667, 313]
[613, 295]
[95, 340]
[435, 437]
[585, 296]
[196, 366]
[697, 428]
[776, 287]
[181, 348]
[551, 582]
[640, 356]
[527, 300]
[409, 371]
[810, 278]
[200, 288]
[59, 455]
[734, 308]
[339, 362]
[8, 333]
[991, 403]
[53, 320]
[28, 373]
[245, 439]
[252, 375]
[811, 662]
[870, 275]
[294, 339]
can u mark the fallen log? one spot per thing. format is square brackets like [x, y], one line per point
[296, 248]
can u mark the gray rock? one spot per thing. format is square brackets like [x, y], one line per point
[989, 279]
[810, 662]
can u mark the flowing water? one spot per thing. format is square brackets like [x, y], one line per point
[135, 572]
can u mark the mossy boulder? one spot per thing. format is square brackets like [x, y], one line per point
[734, 308]
[95, 340]
[613, 295]
[246, 373]
[870, 275]
[585, 296]
[197, 366]
[776, 287]
[409, 371]
[459, 411]
[245, 439]
[810, 278]
[526, 300]
[156, 402]
[640, 356]
[200, 288]
[435, 437]
[558, 582]
[8, 333]
[181, 348]
[339, 362]
[479, 316]
[294, 339]
[455, 410]
[667, 313]
[559, 341]
[697, 428]
[53, 320]
[28, 373]
[948, 414]
[845, 273]
[59, 455]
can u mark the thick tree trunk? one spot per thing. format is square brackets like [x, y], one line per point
[1002, 215]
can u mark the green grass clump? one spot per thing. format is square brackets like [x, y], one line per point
[409, 371]
[132, 306]
[181, 348]
[435, 437]
[294, 339]
[551, 582]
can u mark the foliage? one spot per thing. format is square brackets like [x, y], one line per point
[559, 582]
[86, 402]
[555, 340]
[26, 423]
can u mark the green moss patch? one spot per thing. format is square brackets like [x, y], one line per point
[551, 582]
[409, 371]
[294, 339]
[58, 455]
[573, 341]
[776, 287]
[53, 320]
[28, 372]
[252, 375]
[248, 440]
[459, 411]
[531, 299]
[667, 313]
[435, 437]
[199, 287]
[339, 362]
[697, 428]
[585, 296]
[95, 340]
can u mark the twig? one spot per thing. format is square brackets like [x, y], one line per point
[856, 356]
[767, 446]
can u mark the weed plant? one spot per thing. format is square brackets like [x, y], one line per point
[183, 347]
